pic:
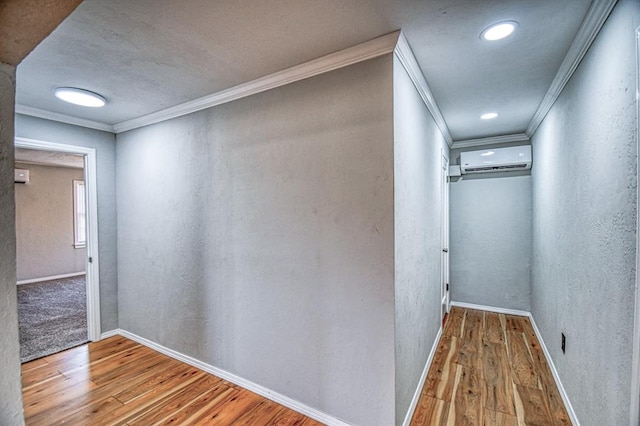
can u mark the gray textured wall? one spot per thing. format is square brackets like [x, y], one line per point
[257, 236]
[418, 145]
[104, 143]
[44, 223]
[490, 222]
[10, 384]
[584, 224]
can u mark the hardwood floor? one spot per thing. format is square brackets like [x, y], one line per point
[119, 382]
[489, 369]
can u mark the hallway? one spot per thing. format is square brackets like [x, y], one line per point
[285, 195]
[489, 369]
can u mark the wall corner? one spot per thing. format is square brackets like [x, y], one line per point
[10, 382]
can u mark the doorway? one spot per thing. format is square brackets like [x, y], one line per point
[91, 259]
[50, 251]
[444, 226]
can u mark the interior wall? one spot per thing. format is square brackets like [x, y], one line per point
[10, 378]
[257, 236]
[104, 143]
[490, 239]
[584, 224]
[44, 223]
[418, 149]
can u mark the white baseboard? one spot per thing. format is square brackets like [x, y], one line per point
[492, 309]
[554, 372]
[111, 333]
[53, 277]
[423, 378]
[244, 383]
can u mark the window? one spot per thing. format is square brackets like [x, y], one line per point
[79, 215]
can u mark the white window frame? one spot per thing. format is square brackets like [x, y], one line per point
[79, 215]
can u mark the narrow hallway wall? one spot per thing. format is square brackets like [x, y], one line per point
[418, 150]
[491, 240]
[584, 224]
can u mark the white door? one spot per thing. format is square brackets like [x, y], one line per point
[445, 237]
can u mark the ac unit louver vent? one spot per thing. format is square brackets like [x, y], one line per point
[496, 160]
[496, 168]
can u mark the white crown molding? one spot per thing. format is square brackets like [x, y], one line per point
[352, 55]
[516, 137]
[405, 55]
[244, 383]
[362, 52]
[423, 378]
[591, 25]
[62, 118]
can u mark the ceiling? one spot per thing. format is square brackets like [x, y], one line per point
[149, 55]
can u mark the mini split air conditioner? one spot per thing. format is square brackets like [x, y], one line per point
[496, 160]
[21, 176]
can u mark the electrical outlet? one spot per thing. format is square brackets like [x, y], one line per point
[564, 342]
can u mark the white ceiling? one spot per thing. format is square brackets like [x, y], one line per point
[148, 55]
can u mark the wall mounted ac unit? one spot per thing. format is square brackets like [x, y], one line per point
[21, 176]
[496, 160]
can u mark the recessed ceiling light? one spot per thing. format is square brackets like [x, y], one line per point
[499, 31]
[489, 115]
[80, 97]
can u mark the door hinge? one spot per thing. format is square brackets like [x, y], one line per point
[447, 286]
[90, 259]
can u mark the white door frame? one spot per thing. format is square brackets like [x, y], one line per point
[91, 193]
[635, 363]
[444, 275]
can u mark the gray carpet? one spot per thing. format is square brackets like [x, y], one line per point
[52, 316]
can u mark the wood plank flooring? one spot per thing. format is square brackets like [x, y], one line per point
[489, 369]
[119, 382]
